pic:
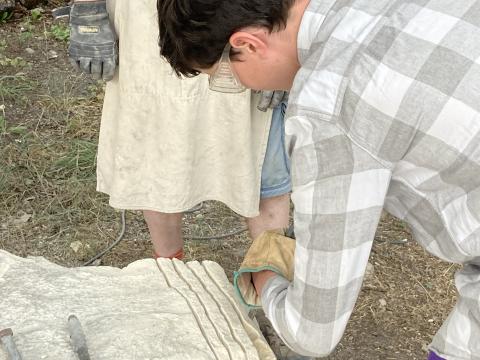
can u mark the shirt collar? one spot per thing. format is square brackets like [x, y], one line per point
[312, 21]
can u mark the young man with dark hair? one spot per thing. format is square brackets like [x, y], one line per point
[384, 112]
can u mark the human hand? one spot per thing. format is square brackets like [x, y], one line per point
[260, 279]
[93, 45]
[270, 253]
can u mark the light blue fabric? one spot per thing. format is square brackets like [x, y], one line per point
[276, 166]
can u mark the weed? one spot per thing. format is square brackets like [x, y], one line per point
[25, 36]
[36, 14]
[14, 62]
[18, 130]
[96, 90]
[60, 32]
[78, 161]
[5, 16]
[27, 29]
[14, 87]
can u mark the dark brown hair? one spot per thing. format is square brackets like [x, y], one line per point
[193, 33]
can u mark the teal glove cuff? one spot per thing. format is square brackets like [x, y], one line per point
[270, 251]
[244, 287]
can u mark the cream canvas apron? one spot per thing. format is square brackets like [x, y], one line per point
[166, 143]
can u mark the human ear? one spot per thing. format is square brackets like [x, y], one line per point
[251, 43]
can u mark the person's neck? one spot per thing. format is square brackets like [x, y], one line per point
[295, 17]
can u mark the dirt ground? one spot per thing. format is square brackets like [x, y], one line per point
[49, 121]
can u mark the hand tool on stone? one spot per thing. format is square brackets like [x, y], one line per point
[6, 338]
[77, 338]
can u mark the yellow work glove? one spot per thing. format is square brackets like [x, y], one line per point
[270, 251]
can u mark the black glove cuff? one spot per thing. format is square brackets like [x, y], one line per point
[95, 12]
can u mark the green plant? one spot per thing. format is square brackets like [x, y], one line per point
[15, 62]
[18, 130]
[60, 32]
[14, 130]
[78, 160]
[25, 36]
[36, 14]
[14, 86]
[5, 16]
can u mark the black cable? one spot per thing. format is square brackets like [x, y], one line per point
[115, 243]
[221, 236]
[186, 237]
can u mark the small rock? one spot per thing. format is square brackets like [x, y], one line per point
[399, 242]
[97, 262]
[369, 272]
[382, 302]
[30, 51]
[430, 320]
[52, 55]
[76, 246]
[22, 219]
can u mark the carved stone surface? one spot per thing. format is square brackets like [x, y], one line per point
[162, 309]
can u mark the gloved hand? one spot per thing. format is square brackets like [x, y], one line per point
[271, 99]
[270, 251]
[93, 44]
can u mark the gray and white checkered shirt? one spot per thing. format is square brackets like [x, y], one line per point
[384, 113]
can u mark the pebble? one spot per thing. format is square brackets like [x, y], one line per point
[76, 246]
[22, 219]
[52, 54]
[30, 51]
[382, 302]
[369, 272]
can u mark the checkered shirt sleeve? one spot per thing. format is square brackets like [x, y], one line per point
[384, 113]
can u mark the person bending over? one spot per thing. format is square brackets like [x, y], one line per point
[384, 112]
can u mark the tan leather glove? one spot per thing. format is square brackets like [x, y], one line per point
[270, 251]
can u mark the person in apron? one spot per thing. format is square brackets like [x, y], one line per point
[167, 144]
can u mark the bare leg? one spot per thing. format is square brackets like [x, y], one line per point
[165, 231]
[274, 214]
